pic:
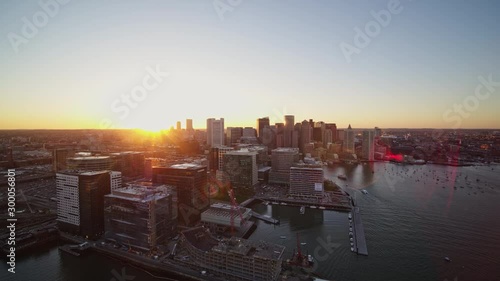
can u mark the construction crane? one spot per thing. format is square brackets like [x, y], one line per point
[234, 208]
[26, 200]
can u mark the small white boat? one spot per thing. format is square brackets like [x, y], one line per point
[312, 207]
[352, 249]
[350, 216]
[303, 243]
[283, 237]
[447, 259]
[364, 191]
[302, 210]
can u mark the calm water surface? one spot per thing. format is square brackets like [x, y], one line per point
[413, 217]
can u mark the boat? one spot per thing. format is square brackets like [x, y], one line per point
[303, 243]
[302, 210]
[350, 216]
[283, 237]
[312, 207]
[447, 259]
[352, 249]
[342, 177]
[364, 191]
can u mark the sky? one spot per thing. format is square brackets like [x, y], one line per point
[146, 64]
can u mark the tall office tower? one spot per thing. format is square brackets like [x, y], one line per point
[306, 179]
[178, 127]
[241, 167]
[317, 134]
[140, 216]
[129, 163]
[189, 125]
[295, 138]
[349, 140]
[215, 158]
[59, 157]
[333, 128]
[328, 137]
[234, 135]
[191, 187]
[305, 134]
[215, 132]
[249, 132]
[321, 135]
[378, 132]
[287, 134]
[368, 145]
[80, 201]
[280, 132]
[281, 161]
[261, 124]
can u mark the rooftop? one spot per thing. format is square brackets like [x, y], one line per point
[187, 166]
[202, 239]
[83, 172]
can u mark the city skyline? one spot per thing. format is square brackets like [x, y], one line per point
[252, 60]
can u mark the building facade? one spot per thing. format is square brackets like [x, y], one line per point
[215, 132]
[307, 180]
[241, 167]
[140, 217]
[281, 161]
[233, 258]
[80, 201]
[191, 187]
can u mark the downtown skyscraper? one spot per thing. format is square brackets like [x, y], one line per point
[215, 132]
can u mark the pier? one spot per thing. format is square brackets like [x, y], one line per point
[265, 218]
[358, 233]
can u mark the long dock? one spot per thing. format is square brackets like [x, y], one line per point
[359, 233]
[315, 205]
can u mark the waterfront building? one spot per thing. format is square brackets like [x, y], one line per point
[219, 216]
[80, 201]
[306, 180]
[140, 216]
[233, 258]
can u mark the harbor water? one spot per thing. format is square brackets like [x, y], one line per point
[413, 217]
